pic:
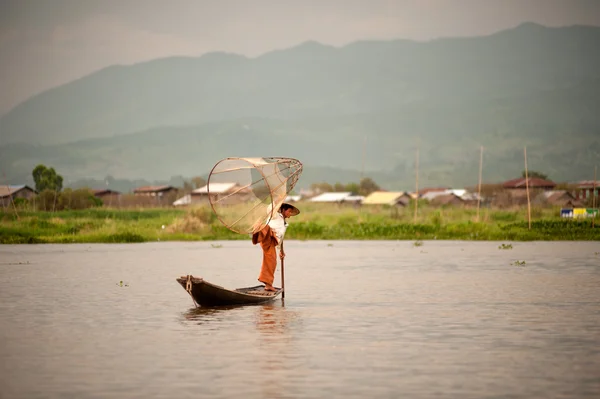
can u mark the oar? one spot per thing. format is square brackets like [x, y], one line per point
[282, 275]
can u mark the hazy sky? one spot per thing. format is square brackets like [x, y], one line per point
[44, 43]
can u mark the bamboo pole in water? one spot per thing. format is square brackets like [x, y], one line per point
[479, 189]
[416, 184]
[527, 188]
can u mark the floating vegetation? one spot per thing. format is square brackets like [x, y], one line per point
[122, 284]
[418, 243]
[518, 263]
[505, 246]
[216, 245]
[330, 245]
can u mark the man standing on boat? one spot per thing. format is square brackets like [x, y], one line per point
[271, 239]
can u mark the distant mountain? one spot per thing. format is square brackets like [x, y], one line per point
[530, 85]
[309, 80]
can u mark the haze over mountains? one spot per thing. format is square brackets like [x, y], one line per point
[530, 85]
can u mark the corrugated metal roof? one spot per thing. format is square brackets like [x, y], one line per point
[215, 188]
[383, 197]
[433, 194]
[459, 192]
[424, 191]
[331, 197]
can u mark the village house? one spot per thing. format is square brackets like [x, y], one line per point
[391, 198]
[533, 183]
[427, 190]
[338, 198]
[441, 197]
[515, 191]
[9, 193]
[447, 199]
[560, 198]
[582, 190]
[154, 195]
[108, 197]
[217, 192]
[154, 191]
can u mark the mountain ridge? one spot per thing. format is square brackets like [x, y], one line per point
[530, 85]
[299, 81]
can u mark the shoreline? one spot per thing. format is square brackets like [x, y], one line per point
[331, 223]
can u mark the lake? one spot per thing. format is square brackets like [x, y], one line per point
[380, 319]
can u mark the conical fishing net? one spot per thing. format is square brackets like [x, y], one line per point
[245, 192]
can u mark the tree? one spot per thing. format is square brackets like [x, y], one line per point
[321, 187]
[198, 182]
[46, 179]
[367, 186]
[339, 187]
[187, 187]
[352, 188]
[533, 174]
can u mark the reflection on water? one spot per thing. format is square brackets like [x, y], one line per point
[201, 315]
[271, 317]
[360, 319]
[274, 319]
[276, 326]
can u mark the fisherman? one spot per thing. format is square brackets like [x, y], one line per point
[271, 239]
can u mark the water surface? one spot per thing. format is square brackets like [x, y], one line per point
[379, 319]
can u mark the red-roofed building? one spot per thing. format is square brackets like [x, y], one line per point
[583, 189]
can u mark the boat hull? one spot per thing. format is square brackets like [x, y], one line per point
[206, 294]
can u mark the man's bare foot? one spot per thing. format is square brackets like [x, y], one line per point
[270, 288]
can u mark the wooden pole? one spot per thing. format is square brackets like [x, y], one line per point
[3, 204]
[594, 199]
[12, 200]
[416, 183]
[479, 189]
[527, 188]
[362, 169]
[282, 275]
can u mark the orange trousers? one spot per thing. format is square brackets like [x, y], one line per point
[268, 243]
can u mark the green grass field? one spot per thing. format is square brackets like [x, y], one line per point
[316, 222]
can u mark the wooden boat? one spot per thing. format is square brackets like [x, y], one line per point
[208, 294]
